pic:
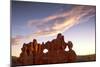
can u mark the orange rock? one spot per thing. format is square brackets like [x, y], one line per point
[32, 53]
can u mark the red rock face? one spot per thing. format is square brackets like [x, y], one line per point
[32, 53]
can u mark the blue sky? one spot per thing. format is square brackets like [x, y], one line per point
[43, 21]
[23, 12]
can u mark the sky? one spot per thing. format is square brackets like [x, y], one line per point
[43, 21]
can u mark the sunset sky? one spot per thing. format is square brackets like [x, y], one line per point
[43, 21]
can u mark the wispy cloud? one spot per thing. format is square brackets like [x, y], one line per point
[61, 21]
[56, 23]
[17, 40]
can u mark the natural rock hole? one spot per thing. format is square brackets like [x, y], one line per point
[66, 49]
[45, 50]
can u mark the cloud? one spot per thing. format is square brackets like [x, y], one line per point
[56, 23]
[17, 40]
[61, 21]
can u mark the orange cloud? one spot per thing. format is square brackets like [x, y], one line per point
[19, 39]
[16, 40]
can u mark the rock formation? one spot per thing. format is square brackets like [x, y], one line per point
[32, 53]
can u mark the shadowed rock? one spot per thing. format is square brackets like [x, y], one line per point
[33, 52]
